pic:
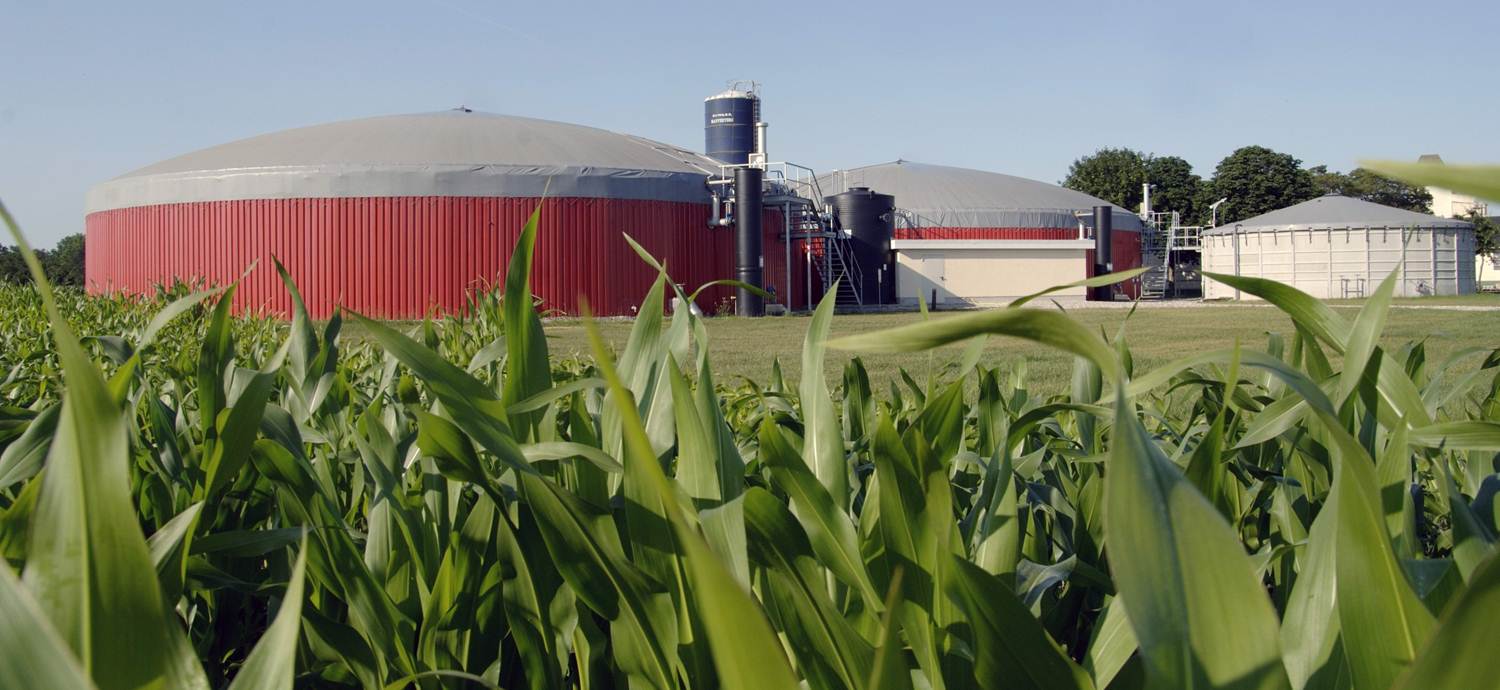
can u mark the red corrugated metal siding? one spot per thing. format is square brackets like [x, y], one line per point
[403, 257]
[774, 275]
[1125, 251]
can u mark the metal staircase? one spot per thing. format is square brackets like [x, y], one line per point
[1156, 258]
[1163, 243]
[831, 256]
[841, 266]
[829, 250]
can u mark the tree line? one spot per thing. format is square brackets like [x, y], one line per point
[63, 264]
[1253, 179]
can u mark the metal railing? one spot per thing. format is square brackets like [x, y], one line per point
[1185, 238]
[802, 180]
[1163, 239]
[835, 258]
[802, 196]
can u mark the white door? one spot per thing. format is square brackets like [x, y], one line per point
[918, 273]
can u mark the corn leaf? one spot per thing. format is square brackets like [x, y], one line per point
[1310, 637]
[823, 443]
[32, 655]
[1382, 620]
[1011, 646]
[89, 568]
[528, 370]
[1181, 572]
[1473, 542]
[1046, 327]
[829, 529]
[1112, 646]
[1481, 181]
[830, 652]
[1458, 435]
[745, 650]
[473, 406]
[272, 665]
[1450, 659]
[1096, 281]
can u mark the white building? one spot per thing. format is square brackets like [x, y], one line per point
[1446, 204]
[1335, 246]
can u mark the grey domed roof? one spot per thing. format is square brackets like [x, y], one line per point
[1334, 212]
[451, 153]
[944, 196]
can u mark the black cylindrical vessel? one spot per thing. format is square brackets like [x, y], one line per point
[870, 219]
[748, 260]
[1104, 221]
[729, 126]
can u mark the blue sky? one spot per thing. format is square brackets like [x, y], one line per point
[88, 92]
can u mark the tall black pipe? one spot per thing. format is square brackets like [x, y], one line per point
[1103, 239]
[748, 259]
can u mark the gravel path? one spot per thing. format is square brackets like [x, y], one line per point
[1201, 304]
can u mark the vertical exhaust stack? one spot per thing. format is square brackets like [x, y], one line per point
[1103, 261]
[748, 259]
[758, 157]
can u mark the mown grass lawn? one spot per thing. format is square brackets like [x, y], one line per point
[745, 347]
[1478, 299]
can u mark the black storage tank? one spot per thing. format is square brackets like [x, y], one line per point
[729, 126]
[870, 219]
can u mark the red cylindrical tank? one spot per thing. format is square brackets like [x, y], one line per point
[399, 217]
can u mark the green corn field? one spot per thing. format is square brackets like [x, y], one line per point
[193, 499]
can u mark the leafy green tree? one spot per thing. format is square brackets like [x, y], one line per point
[1327, 181]
[1204, 196]
[1361, 183]
[1383, 190]
[1174, 187]
[1257, 179]
[1486, 238]
[12, 266]
[1114, 175]
[64, 264]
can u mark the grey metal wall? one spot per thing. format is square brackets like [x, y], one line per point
[1344, 262]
